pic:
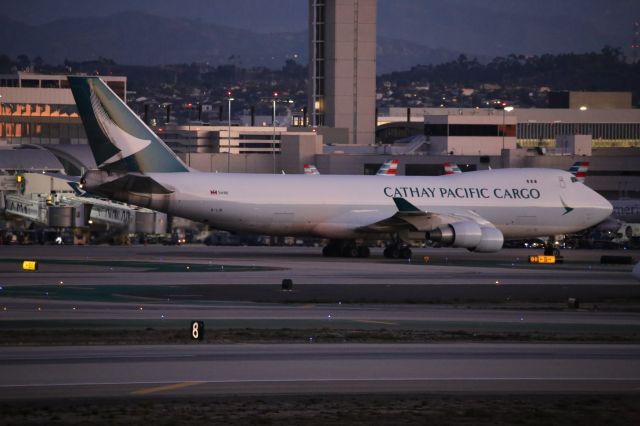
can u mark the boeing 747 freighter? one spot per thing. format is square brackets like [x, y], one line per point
[475, 210]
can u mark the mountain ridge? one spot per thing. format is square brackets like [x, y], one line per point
[140, 38]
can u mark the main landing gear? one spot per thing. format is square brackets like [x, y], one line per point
[345, 248]
[397, 250]
[550, 248]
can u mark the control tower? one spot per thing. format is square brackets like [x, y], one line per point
[342, 66]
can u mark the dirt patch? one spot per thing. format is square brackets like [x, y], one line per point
[494, 410]
[149, 335]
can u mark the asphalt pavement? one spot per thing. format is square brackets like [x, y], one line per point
[35, 372]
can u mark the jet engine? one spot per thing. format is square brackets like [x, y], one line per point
[469, 235]
[492, 240]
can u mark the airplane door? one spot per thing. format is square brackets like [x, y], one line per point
[563, 184]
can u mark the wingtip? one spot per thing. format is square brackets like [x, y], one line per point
[404, 205]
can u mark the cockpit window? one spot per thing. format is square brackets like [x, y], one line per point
[574, 179]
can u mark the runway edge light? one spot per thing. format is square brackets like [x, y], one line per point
[29, 265]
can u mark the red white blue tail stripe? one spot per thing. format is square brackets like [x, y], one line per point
[389, 168]
[579, 170]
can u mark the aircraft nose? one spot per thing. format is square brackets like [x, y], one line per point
[601, 206]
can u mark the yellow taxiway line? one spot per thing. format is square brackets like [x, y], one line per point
[155, 389]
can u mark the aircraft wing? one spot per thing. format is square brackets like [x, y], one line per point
[457, 227]
[411, 217]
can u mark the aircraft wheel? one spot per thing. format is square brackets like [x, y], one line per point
[330, 251]
[395, 252]
[363, 251]
[405, 253]
[350, 251]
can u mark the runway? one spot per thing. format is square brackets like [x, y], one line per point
[195, 273]
[322, 314]
[304, 265]
[452, 291]
[69, 372]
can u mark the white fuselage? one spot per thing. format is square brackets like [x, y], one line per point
[519, 202]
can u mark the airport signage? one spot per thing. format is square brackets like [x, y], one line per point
[542, 259]
[197, 330]
[29, 265]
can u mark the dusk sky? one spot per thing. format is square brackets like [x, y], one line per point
[488, 28]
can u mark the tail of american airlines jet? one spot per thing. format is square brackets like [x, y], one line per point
[310, 169]
[119, 140]
[579, 170]
[389, 168]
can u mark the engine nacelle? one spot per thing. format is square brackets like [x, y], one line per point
[469, 235]
[459, 234]
[492, 240]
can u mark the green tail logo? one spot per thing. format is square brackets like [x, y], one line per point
[567, 209]
[119, 140]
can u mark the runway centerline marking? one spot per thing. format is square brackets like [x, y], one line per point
[155, 389]
[377, 322]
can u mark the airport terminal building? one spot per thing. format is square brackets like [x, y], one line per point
[38, 112]
[40, 129]
[39, 108]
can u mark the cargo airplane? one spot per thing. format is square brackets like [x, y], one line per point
[475, 210]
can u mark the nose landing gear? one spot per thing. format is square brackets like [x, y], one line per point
[550, 248]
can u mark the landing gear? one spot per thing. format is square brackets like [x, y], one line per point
[363, 251]
[550, 248]
[345, 248]
[397, 250]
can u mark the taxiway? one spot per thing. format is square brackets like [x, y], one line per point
[307, 369]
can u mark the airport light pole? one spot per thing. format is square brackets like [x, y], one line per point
[273, 138]
[229, 98]
[274, 101]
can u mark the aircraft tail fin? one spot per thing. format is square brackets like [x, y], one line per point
[119, 140]
[310, 169]
[451, 169]
[389, 168]
[579, 170]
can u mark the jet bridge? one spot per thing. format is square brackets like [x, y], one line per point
[50, 201]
